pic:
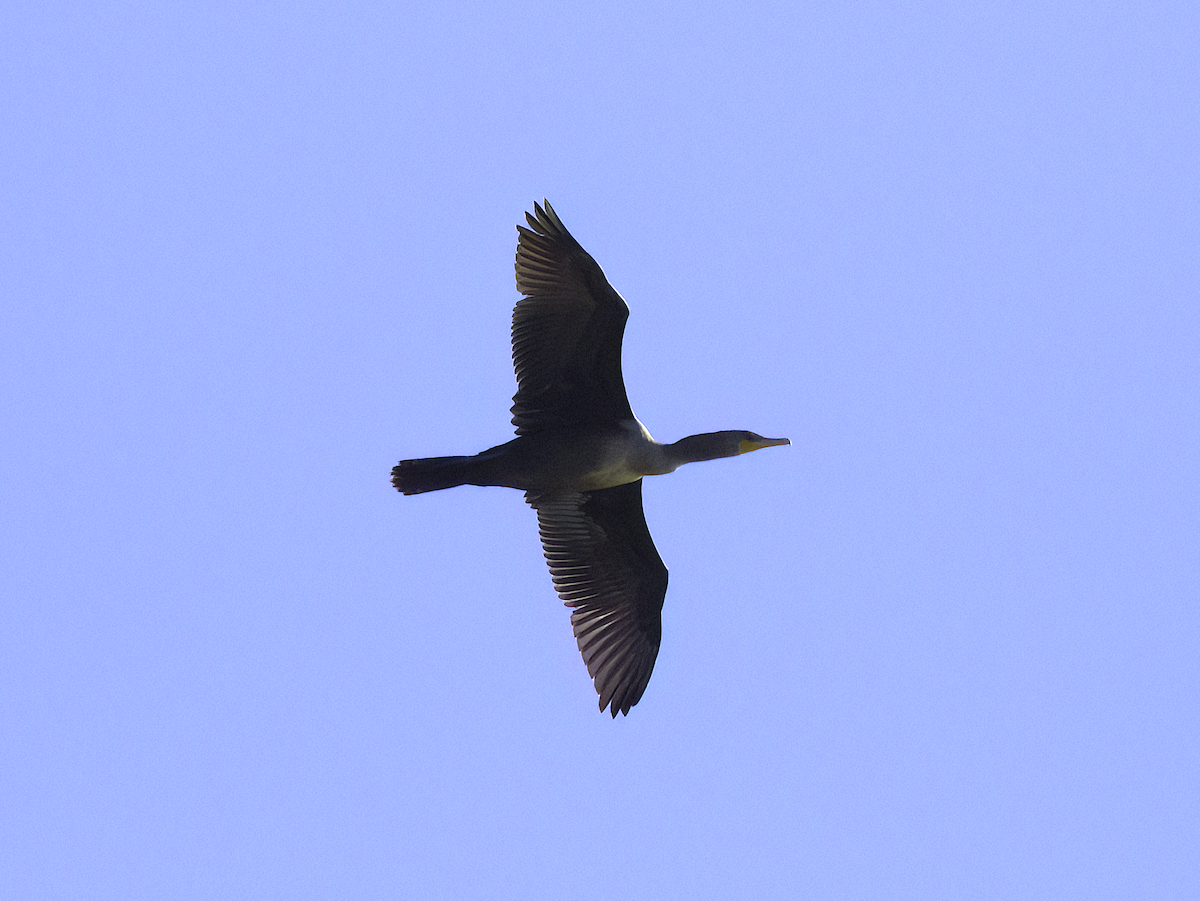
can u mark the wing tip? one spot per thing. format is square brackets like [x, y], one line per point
[544, 221]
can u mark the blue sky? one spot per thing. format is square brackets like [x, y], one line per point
[944, 646]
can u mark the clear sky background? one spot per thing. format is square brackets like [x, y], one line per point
[945, 646]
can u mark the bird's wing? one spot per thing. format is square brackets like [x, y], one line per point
[566, 333]
[604, 565]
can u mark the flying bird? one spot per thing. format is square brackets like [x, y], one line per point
[580, 455]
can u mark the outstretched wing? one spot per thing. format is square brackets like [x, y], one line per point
[566, 332]
[604, 565]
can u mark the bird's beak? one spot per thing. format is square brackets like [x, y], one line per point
[760, 443]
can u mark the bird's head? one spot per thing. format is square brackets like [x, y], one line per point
[749, 441]
[711, 445]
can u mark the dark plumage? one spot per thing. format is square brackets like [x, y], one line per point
[580, 456]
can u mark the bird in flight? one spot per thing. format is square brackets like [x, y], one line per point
[580, 455]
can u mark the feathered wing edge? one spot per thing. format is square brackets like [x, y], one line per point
[604, 565]
[566, 331]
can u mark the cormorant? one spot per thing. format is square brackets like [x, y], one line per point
[580, 456]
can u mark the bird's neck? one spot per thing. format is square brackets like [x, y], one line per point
[694, 448]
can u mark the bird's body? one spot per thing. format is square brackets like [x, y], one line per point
[580, 455]
[581, 459]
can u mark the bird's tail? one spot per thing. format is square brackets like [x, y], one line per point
[432, 474]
